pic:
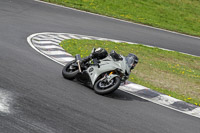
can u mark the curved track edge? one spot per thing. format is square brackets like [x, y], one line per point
[47, 44]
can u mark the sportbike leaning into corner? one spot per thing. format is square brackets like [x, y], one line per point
[100, 71]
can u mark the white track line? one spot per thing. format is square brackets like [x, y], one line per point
[85, 38]
[45, 42]
[130, 87]
[119, 19]
[64, 37]
[96, 38]
[54, 52]
[31, 44]
[59, 38]
[74, 37]
[164, 99]
[40, 39]
[65, 59]
[49, 46]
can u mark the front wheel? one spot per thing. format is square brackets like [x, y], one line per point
[101, 87]
[69, 71]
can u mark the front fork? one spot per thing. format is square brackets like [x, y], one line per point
[78, 58]
[79, 66]
[80, 61]
[109, 77]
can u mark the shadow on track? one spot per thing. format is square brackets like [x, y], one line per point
[121, 95]
[118, 94]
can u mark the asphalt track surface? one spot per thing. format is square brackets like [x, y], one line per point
[39, 100]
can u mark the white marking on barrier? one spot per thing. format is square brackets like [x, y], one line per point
[96, 38]
[44, 36]
[54, 52]
[195, 112]
[49, 46]
[74, 37]
[131, 43]
[85, 38]
[29, 40]
[129, 88]
[117, 41]
[44, 39]
[56, 38]
[135, 86]
[64, 59]
[164, 99]
[45, 42]
[101, 39]
[64, 37]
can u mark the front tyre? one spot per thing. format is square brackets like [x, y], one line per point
[69, 71]
[103, 88]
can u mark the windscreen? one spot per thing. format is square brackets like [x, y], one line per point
[130, 60]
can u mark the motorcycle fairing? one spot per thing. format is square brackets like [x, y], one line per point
[107, 64]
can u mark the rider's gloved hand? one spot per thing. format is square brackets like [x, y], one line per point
[94, 55]
[86, 59]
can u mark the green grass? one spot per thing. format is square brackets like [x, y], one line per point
[168, 72]
[176, 15]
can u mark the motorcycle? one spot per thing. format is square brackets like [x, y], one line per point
[102, 72]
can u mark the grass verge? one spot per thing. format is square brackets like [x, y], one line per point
[168, 72]
[177, 15]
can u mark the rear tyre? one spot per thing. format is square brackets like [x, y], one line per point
[102, 88]
[69, 72]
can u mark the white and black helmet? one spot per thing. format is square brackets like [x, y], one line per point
[100, 53]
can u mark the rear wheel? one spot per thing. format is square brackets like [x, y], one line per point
[69, 71]
[101, 87]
